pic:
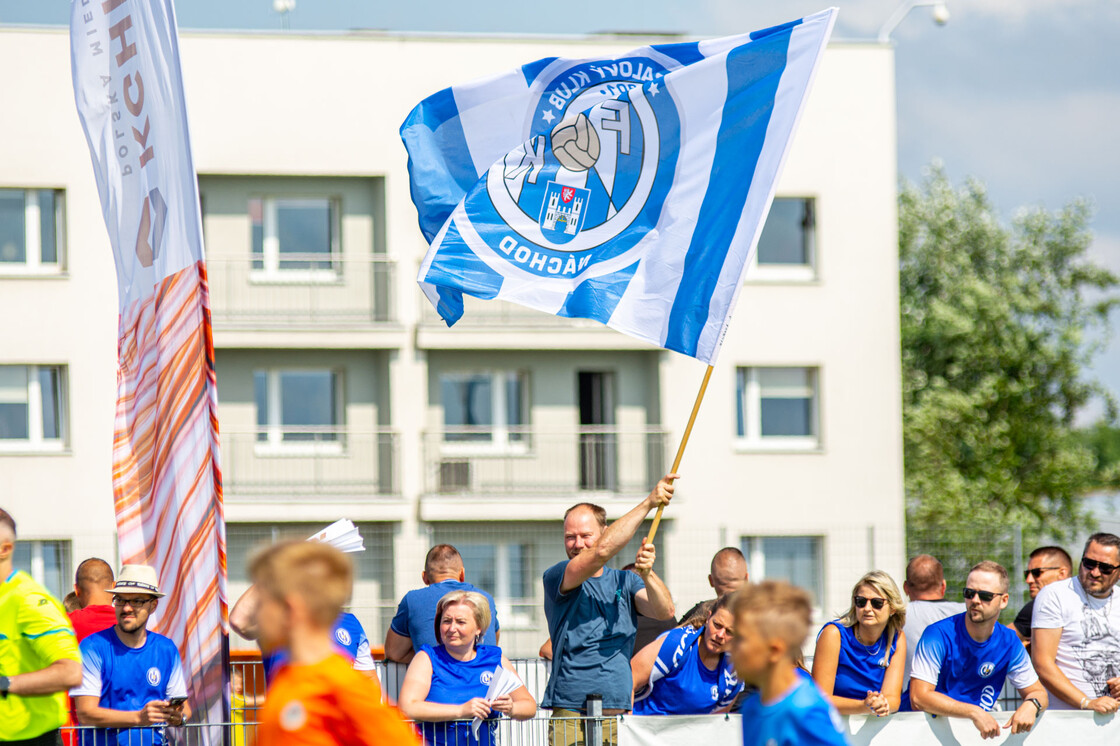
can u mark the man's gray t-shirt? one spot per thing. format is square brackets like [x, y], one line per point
[919, 615]
[592, 629]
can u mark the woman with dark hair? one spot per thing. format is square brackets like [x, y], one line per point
[447, 684]
[860, 657]
[688, 670]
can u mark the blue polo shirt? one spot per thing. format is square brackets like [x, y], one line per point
[416, 614]
[592, 629]
[970, 671]
[124, 678]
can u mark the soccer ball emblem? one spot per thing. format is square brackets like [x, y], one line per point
[575, 143]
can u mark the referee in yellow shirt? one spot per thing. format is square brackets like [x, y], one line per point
[39, 660]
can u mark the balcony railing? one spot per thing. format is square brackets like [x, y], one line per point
[300, 289]
[527, 461]
[498, 313]
[289, 463]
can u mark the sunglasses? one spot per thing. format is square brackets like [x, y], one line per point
[1037, 571]
[1104, 567]
[985, 596]
[135, 603]
[876, 603]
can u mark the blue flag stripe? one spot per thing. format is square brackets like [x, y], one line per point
[754, 72]
[598, 297]
[685, 53]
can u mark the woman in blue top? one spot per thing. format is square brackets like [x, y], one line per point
[688, 671]
[860, 657]
[448, 684]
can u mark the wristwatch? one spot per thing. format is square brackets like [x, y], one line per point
[5, 685]
[1037, 705]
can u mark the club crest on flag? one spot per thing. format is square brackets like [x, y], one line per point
[564, 211]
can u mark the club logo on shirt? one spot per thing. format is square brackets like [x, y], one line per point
[486, 677]
[293, 716]
[715, 692]
[153, 676]
[342, 636]
[987, 668]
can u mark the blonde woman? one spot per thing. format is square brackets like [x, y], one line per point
[447, 684]
[860, 657]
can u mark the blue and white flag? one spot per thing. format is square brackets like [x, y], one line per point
[630, 191]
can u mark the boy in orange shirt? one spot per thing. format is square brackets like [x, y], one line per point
[316, 698]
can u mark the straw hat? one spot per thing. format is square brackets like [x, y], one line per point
[137, 579]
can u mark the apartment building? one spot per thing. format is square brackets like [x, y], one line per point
[342, 394]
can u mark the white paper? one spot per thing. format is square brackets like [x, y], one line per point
[503, 682]
[342, 535]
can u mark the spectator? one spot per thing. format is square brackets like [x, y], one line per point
[1075, 631]
[412, 627]
[925, 587]
[727, 574]
[131, 678]
[449, 682]
[315, 697]
[70, 603]
[688, 670]
[39, 657]
[591, 611]
[860, 656]
[92, 582]
[1045, 565]
[961, 662]
[348, 634]
[771, 623]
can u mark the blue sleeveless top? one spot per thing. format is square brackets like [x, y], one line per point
[679, 684]
[858, 669]
[455, 682]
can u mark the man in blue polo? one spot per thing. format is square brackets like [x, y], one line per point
[132, 679]
[592, 613]
[413, 626]
[962, 661]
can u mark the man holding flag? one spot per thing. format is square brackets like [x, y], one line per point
[592, 613]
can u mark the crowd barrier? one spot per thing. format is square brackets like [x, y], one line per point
[1054, 728]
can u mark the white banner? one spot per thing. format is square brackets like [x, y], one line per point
[910, 728]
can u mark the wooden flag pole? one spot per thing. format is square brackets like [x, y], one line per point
[680, 449]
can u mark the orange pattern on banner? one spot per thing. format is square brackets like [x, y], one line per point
[166, 480]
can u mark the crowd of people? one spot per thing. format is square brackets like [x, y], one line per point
[891, 650]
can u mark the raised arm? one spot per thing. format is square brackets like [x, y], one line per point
[654, 600]
[243, 615]
[587, 563]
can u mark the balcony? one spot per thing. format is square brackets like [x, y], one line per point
[522, 462]
[313, 292]
[295, 465]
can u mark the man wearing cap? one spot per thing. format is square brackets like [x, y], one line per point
[38, 654]
[130, 676]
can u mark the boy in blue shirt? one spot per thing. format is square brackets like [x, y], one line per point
[961, 661]
[771, 622]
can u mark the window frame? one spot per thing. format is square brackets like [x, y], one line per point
[504, 602]
[752, 547]
[35, 441]
[37, 569]
[505, 438]
[33, 264]
[748, 420]
[764, 272]
[271, 257]
[274, 429]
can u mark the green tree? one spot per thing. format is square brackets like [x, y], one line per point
[996, 323]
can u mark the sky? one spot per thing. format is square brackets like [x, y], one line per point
[1021, 94]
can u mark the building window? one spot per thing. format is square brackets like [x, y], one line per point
[794, 559]
[484, 407]
[32, 407]
[48, 562]
[787, 246]
[298, 406]
[508, 572]
[31, 230]
[777, 407]
[296, 239]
